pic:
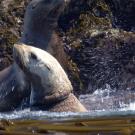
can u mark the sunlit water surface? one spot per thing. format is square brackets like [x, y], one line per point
[101, 103]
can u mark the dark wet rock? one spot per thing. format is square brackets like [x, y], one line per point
[81, 14]
[102, 54]
[106, 57]
[11, 19]
[81, 19]
[123, 13]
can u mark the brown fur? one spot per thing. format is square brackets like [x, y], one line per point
[51, 87]
[40, 28]
[14, 87]
[71, 103]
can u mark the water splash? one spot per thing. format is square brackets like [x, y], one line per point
[103, 102]
[109, 99]
[44, 115]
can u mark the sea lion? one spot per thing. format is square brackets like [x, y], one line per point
[51, 88]
[39, 30]
[14, 86]
[40, 27]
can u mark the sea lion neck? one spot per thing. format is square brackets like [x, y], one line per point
[48, 101]
[45, 94]
[40, 22]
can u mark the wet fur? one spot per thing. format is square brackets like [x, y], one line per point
[14, 87]
[44, 37]
[50, 84]
[40, 27]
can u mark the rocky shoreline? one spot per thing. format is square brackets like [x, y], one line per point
[98, 37]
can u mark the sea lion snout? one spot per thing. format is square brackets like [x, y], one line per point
[18, 54]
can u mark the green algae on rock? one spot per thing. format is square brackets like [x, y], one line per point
[87, 28]
[10, 28]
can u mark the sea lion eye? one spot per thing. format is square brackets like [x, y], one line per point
[33, 56]
[47, 67]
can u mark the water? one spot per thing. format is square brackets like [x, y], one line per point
[109, 100]
[44, 115]
[102, 103]
[67, 123]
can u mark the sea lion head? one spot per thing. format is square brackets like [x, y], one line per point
[40, 21]
[49, 81]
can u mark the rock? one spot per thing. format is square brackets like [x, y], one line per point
[123, 13]
[11, 17]
[98, 37]
[104, 53]
[106, 57]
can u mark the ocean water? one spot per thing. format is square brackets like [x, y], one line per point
[102, 103]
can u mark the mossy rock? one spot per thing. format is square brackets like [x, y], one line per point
[11, 19]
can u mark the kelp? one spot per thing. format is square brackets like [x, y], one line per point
[106, 125]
